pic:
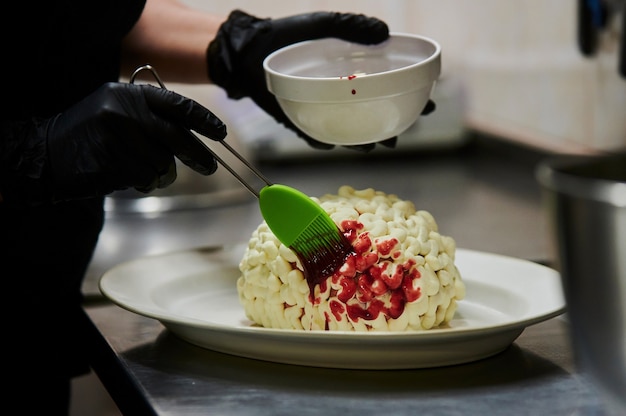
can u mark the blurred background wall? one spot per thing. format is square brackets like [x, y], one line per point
[512, 69]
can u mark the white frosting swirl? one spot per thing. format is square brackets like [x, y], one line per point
[402, 277]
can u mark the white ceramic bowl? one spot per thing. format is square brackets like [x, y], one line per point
[346, 93]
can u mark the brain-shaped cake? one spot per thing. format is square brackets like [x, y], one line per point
[401, 276]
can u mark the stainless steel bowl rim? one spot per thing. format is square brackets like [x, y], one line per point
[552, 176]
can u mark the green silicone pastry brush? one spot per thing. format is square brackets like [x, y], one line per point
[302, 225]
[297, 221]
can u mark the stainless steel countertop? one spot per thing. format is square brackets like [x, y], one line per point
[147, 370]
[486, 199]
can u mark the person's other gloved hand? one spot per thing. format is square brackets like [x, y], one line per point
[235, 57]
[123, 136]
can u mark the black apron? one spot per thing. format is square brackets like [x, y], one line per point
[54, 53]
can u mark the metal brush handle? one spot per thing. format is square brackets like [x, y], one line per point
[226, 145]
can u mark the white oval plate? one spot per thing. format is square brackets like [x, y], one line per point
[193, 294]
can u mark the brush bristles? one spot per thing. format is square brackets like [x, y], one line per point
[319, 235]
[321, 248]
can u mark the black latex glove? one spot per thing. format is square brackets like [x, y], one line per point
[123, 136]
[235, 57]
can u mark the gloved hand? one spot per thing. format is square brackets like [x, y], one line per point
[235, 57]
[123, 136]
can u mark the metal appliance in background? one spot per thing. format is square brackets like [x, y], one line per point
[585, 202]
[593, 18]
